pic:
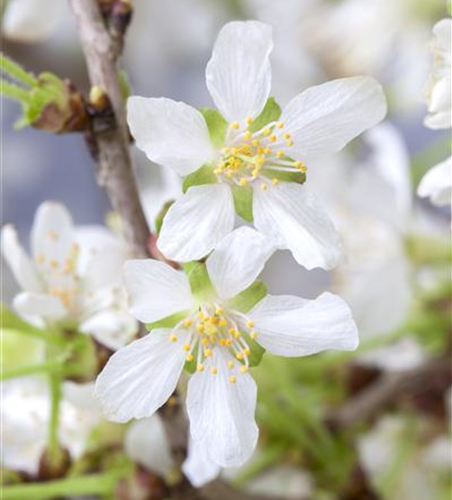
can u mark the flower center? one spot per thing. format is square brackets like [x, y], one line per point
[211, 328]
[256, 156]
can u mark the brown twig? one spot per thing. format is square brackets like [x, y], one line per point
[115, 170]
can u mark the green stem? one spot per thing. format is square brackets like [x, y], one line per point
[94, 484]
[14, 91]
[36, 334]
[10, 67]
[53, 447]
[53, 366]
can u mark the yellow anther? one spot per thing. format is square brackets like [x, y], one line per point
[273, 138]
[52, 235]
[244, 369]
[230, 364]
[266, 131]
[267, 151]
[289, 143]
[219, 310]
[200, 367]
[275, 181]
[303, 169]
[190, 357]
[228, 341]
[188, 322]
[264, 187]
[205, 342]
[201, 315]
[247, 352]
[232, 379]
[250, 323]
[255, 143]
[243, 181]
[223, 322]
[213, 370]
[173, 337]
[54, 263]
[222, 341]
[280, 153]
[186, 347]
[249, 120]
[207, 353]
[217, 171]
[232, 331]
[239, 356]
[235, 125]
[247, 135]
[253, 335]
[200, 328]
[279, 124]
[287, 135]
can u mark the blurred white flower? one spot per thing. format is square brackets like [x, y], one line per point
[439, 88]
[221, 398]
[320, 120]
[27, 20]
[437, 183]
[25, 411]
[73, 278]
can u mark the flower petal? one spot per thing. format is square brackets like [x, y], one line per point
[221, 414]
[146, 444]
[199, 469]
[155, 289]
[40, 305]
[140, 377]
[238, 260]
[291, 326]
[21, 265]
[171, 133]
[238, 75]
[197, 222]
[52, 235]
[292, 218]
[437, 183]
[323, 119]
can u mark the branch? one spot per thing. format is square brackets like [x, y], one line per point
[115, 171]
[386, 390]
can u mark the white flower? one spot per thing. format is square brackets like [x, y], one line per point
[437, 183]
[26, 20]
[439, 88]
[25, 412]
[219, 339]
[319, 121]
[73, 277]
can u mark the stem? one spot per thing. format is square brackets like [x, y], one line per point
[95, 484]
[53, 366]
[10, 67]
[53, 447]
[13, 91]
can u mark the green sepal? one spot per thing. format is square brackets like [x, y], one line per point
[216, 124]
[161, 216]
[198, 277]
[257, 351]
[243, 201]
[298, 177]
[11, 321]
[168, 322]
[270, 113]
[203, 175]
[190, 366]
[246, 300]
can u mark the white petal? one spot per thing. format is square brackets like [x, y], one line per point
[26, 20]
[238, 260]
[155, 290]
[19, 262]
[437, 183]
[238, 75]
[292, 218]
[323, 119]
[222, 414]
[198, 468]
[39, 304]
[52, 235]
[146, 444]
[171, 133]
[139, 378]
[197, 222]
[291, 326]
[111, 327]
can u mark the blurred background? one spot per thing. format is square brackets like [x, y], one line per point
[396, 272]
